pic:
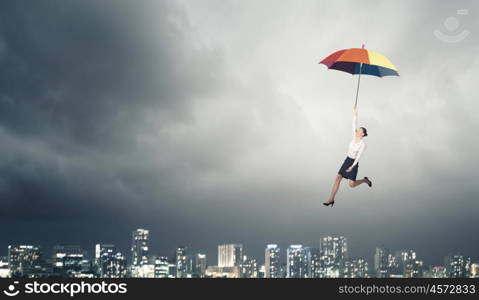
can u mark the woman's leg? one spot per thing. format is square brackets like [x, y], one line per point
[353, 183]
[335, 189]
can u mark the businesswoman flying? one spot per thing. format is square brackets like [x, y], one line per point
[349, 169]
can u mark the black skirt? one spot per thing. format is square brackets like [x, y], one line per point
[346, 164]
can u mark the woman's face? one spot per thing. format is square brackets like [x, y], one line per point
[359, 132]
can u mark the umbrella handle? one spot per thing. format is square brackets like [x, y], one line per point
[359, 81]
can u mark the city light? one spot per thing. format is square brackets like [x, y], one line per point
[330, 259]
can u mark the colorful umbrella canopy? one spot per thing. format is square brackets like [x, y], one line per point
[360, 61]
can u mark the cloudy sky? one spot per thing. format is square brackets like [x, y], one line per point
[211, 122]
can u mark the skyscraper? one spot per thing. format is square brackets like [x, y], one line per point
[296, 262]
[356, 268]
[314, 262]
[199, 265]
[261, 271]
[162, 269]
[183, 263]
[457, 266]
[139, 247]
[272, 262]
[67, 259]
[381, 262]
[109, 263]
[409, 264]
[334, 253]
[230, 255]
[27, 261]
[248, 267]
[103, 255]
[395, 269]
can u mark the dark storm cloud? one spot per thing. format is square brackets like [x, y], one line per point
[83, 69]
[77, 80]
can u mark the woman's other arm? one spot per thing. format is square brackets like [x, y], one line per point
[361, 150]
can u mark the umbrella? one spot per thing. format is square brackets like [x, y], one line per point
[360, 61]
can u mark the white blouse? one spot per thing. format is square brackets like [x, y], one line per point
[356, 149]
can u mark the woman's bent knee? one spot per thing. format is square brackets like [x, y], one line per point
[352, 183]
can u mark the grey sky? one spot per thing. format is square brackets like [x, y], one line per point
[211, 122]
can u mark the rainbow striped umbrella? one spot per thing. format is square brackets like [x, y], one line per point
[360, 61]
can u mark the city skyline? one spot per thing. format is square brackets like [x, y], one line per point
[331, 258]
[212, 250]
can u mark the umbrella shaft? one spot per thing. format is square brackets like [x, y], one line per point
[359, 81]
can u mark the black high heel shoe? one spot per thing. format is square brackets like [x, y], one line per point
[370, 183]
[328, 204]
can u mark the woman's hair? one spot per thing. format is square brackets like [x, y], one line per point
[364, 131]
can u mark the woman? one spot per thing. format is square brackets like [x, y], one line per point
[349, 169]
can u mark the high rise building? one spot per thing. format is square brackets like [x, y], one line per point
[109, 263]
[356, 268]
[230, 259]
[262, 271]
[296, 262]
[248, 267]
[395, 269]
[172, 268]
[139, 247]
[67, 259]
[27, 261]
[161, 266]
[199, 265]
[381, 262]
[230, 255]
[409, 265]
[183, 263]
[457, 266]
[272, 262]
[314, 262]
[104, 253]
[334, 253]
[120, 267]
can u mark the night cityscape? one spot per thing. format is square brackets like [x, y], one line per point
[330, 260]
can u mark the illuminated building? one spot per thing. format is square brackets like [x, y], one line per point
[356, 268]
[248, 268]
[183, 263]
[296, 262]
[334, 253]
[272, 263]
[409, 265]
[230, 255]
[139, 247]
[314, 262]
[475, 270]
[67, 259]
[161, 266]
[381, 262]
[457, 266]
[26, 261]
